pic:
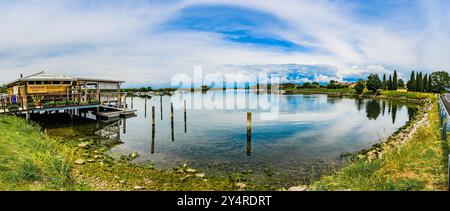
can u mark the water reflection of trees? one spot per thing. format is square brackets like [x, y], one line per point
[373, 109]
[359, 103]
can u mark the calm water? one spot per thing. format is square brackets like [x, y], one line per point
[307, 138]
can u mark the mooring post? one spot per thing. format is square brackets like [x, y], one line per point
[132, 102]
[153, 130]
[171, 120]
[249, 133]
[153, 116]
[124, 126]
[160, 104]
[145, 101]
[185, 118]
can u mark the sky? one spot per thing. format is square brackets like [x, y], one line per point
[147, 42]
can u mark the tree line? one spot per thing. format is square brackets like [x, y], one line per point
[436, 82]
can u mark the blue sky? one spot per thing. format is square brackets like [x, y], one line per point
[149, 41]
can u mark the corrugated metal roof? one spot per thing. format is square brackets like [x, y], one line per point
[44, 76]
[41, 76]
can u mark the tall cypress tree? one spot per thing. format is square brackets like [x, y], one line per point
[412, 82]
[395, 81]
[425, 83]
[418, 81]
[384, 82]
[390, 82]
[430, 87]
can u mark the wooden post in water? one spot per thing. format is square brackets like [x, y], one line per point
[153, 130]
[132, 102]
[145, 101]
[185, 118]
[160, 104]
[249, 133]
[124, 126]
[171, 120]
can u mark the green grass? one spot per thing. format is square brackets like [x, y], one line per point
[29, 161]
[419, 164]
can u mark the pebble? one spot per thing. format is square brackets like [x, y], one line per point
[79, 161]
[138, 188]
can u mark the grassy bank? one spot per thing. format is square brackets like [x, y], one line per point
[28, 161]
[418, 164]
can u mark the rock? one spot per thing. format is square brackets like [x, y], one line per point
[138, 188]
[201, 175]
[96, 152]
[134, 155]
[189, 170]
[98, 157]
[298, 188]
[84, 145]
[241, 185]
[90, 160]
[79, 161]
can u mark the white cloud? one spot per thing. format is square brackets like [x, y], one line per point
[121, 40]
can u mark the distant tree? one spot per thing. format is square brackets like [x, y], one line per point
[401, 84]
[440, 81]
[395, 81]
[2, 89]
[374, 83]
[425, 83]
[430, 86]
[307, 85]
[384, 82]
[390, 83]
[412, 82]
[360, 86]
[316, 84]
[418, 81]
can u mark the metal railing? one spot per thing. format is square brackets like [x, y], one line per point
[444, 108]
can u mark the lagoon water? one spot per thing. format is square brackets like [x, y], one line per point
[304, 141]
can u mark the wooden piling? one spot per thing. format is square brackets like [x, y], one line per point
[185, 118]
[132, 102]
[171, 121]
[124, 126]
[153, 116]
[161, 107]
[249, 133]
[153, 130]
[145, 101]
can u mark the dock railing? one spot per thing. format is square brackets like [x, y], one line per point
[17, 103]
[444, 108]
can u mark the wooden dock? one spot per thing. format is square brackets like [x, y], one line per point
[112, 112]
